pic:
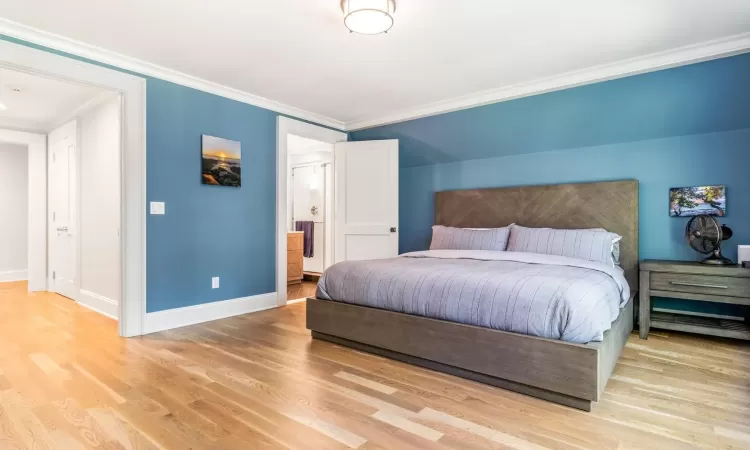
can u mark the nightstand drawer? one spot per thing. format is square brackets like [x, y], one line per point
[701, 284]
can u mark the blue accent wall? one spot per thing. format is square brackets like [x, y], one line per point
[687, 126]
[696, 99]
[207, 230]
[658, 164]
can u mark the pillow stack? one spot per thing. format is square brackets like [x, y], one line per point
[594, 244]
[449, 238]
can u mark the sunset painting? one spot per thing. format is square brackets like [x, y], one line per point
[222, 162]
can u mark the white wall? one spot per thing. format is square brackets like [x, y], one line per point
[14, 207]
[296, 211]
[305, 197]
[100, 137]
[300, 159]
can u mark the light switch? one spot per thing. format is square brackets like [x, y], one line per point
[157, 208]
[215, 283]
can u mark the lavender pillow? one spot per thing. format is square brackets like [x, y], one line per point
[597, 244]
[449, 238]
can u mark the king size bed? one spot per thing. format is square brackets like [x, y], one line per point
[547, 318]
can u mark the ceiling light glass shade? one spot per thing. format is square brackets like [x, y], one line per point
[2, 106]
[368, 16]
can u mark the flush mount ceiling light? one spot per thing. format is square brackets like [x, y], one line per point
[368, 16]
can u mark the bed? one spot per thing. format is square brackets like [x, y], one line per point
[565, 359]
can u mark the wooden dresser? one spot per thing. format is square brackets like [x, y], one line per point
[694, 281]
[294, 247]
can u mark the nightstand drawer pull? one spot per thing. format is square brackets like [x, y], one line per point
[684, 283]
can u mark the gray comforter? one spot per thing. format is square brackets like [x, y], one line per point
[541, 295]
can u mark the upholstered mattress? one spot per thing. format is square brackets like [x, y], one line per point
[541, 295]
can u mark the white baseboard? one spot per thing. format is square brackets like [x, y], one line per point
[190, 315]
[98, 303]
[13, 275]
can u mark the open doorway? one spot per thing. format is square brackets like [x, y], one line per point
[305, 151]
[351, 188]
[14, 206]
[310, 206]
[79, 169]
[132, 89]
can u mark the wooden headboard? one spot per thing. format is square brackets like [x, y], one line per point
[612, 205]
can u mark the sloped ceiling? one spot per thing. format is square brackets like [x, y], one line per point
[701, 98]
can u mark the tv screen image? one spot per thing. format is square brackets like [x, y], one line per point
[694, 201]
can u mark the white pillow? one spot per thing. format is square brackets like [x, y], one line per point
[449, 238]
[594, 244]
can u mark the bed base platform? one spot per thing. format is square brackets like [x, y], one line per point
[570, 374]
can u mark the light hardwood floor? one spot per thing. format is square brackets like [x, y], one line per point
[258, 381]
[301, 290]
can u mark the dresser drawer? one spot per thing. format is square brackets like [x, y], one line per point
[294, 241]
[701, 284]
[294, 270]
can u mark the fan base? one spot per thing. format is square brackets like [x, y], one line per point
[718, 260]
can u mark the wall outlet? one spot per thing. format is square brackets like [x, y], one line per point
[215, 283]
[157, 208]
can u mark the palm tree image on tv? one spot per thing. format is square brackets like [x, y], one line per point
[694, 201]
[222, 162]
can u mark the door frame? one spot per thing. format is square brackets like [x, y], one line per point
[36, 149]
[132, 305]
[284, 127]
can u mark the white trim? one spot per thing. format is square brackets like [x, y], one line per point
[36, 146]
[132, 308]
[98, 303]
[50, 40]
[697, 314]
[85, 107]
[296, 300]
[205, 312]
[28, 126]
[284, 127]
[691, 54]
[13, 275]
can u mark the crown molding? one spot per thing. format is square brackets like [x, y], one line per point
[691, 54]
[704, 51]
[63, 44]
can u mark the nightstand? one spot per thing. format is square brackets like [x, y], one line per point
[693, 281]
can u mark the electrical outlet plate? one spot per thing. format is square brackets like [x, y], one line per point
[157, 208]
[215, 283]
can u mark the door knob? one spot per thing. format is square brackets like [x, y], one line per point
[394, 229]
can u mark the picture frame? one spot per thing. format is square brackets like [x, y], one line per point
[221, 161]
[698, 200]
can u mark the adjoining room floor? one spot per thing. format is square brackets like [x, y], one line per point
[301, 290]
[258, 381]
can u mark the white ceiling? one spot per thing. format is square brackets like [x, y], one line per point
[37, 103]
[298, 52]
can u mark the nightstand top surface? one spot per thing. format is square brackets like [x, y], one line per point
[693, 267]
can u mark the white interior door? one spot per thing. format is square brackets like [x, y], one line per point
[63, 224]
[366, 196]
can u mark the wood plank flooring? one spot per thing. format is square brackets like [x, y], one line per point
[258, 382]
[301, 290]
